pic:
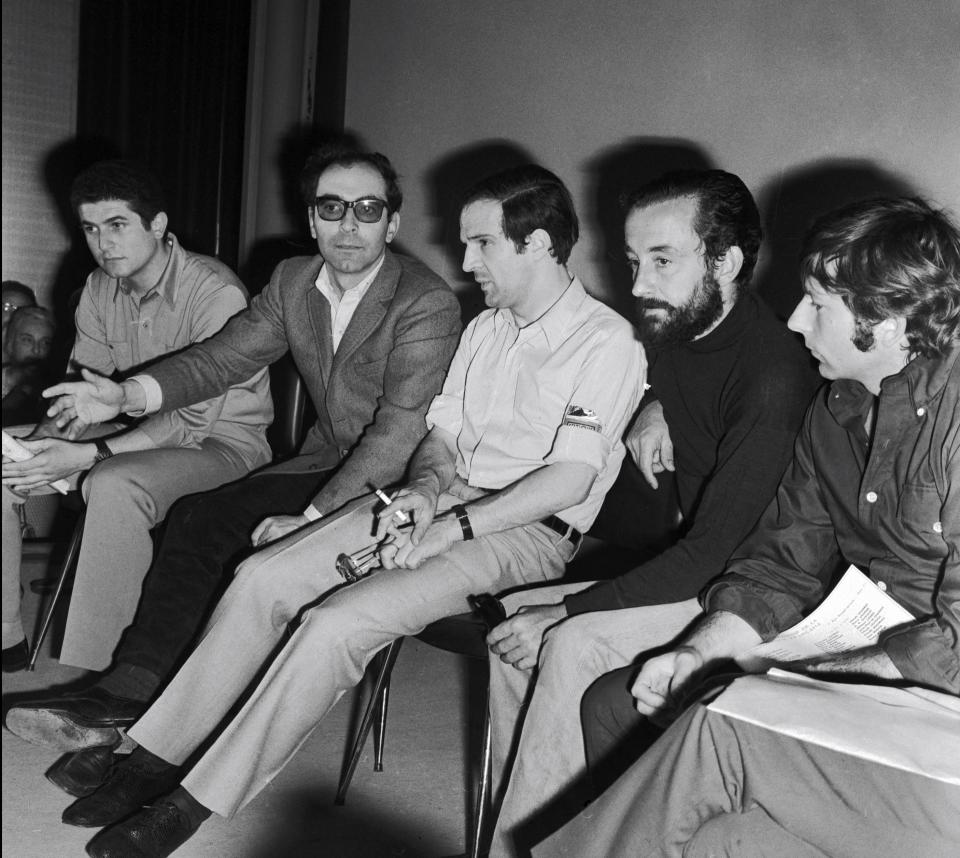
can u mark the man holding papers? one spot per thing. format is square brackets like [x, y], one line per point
[875, 482]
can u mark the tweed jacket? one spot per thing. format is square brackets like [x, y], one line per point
[370, 398]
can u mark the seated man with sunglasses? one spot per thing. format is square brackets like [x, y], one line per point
[371, 333]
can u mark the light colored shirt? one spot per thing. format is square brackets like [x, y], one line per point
[344, 303]
[342, 307]
[118, 330]
[561, 389]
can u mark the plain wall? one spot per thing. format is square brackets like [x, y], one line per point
[798, 97]
[39, 112]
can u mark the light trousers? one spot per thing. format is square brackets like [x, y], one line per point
[535, 717]
[343, 628]
[126, 496]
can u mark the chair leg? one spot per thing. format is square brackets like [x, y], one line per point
[376, 705]
[380, 725]
[482, 809]
[68, 566]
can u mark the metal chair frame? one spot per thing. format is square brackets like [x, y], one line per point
[375, 718]
[67, 568]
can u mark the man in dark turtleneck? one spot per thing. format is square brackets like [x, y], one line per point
[728, 388]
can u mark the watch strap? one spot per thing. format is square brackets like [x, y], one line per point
[103, 451]
[460, 511]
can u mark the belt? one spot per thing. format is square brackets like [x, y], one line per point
[558, 525]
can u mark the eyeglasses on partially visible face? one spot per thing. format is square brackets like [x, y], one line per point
[365, 210]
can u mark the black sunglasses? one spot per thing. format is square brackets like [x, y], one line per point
[365, 210]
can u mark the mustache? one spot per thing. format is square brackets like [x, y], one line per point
[645, 304]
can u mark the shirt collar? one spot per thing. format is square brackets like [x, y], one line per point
[920, 381]
[554, 323]
[168, 285]
[334, 296]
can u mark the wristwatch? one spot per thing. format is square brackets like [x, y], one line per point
[103, 451]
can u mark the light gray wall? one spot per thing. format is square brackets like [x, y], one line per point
[766, 88]
[39, 112]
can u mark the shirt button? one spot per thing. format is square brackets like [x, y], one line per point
[881, 586]
[921, 411]
[871, 497]
[938, 527]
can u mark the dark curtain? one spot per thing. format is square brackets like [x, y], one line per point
[165, 83]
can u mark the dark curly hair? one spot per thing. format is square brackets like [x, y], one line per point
[126, 181]
[726, 214]
[344, 155]
[532, 198]
[891, 257]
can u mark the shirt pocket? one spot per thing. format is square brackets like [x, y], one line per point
[918, 519]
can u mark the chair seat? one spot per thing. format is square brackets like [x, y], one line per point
[464, 634]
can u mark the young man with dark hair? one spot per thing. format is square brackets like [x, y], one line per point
[148, 297]
[874, 482]
[371, 333]
[729, 385]
[524, 440]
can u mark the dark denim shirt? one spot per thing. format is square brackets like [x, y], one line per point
[890, 506]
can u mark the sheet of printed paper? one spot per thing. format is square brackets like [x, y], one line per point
[909, 728]
[852, 616]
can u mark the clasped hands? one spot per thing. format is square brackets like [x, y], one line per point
[407, 547]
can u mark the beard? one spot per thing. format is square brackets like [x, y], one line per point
[680, 324]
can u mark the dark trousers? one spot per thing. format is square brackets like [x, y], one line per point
[205, 536]
[615, 735]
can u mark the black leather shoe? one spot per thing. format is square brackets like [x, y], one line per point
[127, 788]
[16, 657]
[79, 773]
[72, 722]
[154, 832]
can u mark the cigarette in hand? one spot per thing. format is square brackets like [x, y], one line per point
[399, 515]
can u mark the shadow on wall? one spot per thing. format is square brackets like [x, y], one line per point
[791, 203]
[294, 148]
[61, 165]
[448, 181]
[614, 171]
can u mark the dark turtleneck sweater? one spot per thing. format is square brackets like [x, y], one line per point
[733, 401]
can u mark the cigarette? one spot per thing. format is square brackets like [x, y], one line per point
[400, 515]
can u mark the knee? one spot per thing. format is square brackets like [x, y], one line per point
[607, 703]
[568, 643]
[114, 482]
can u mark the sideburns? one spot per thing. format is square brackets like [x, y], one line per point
[863, 337]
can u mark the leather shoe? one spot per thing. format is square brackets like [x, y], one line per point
[127, 788]
[72, 722]
[154, 832]
[16, 657]
[80, 773]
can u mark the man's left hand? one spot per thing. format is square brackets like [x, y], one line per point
[52, 460]
[403, 553]
[517, 640]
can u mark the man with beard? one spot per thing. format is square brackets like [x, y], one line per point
[729, 385]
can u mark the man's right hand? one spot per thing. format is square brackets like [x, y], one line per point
[660, 685]
[649, 443]
[416, 500]
[517, 640]
[94, 400]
